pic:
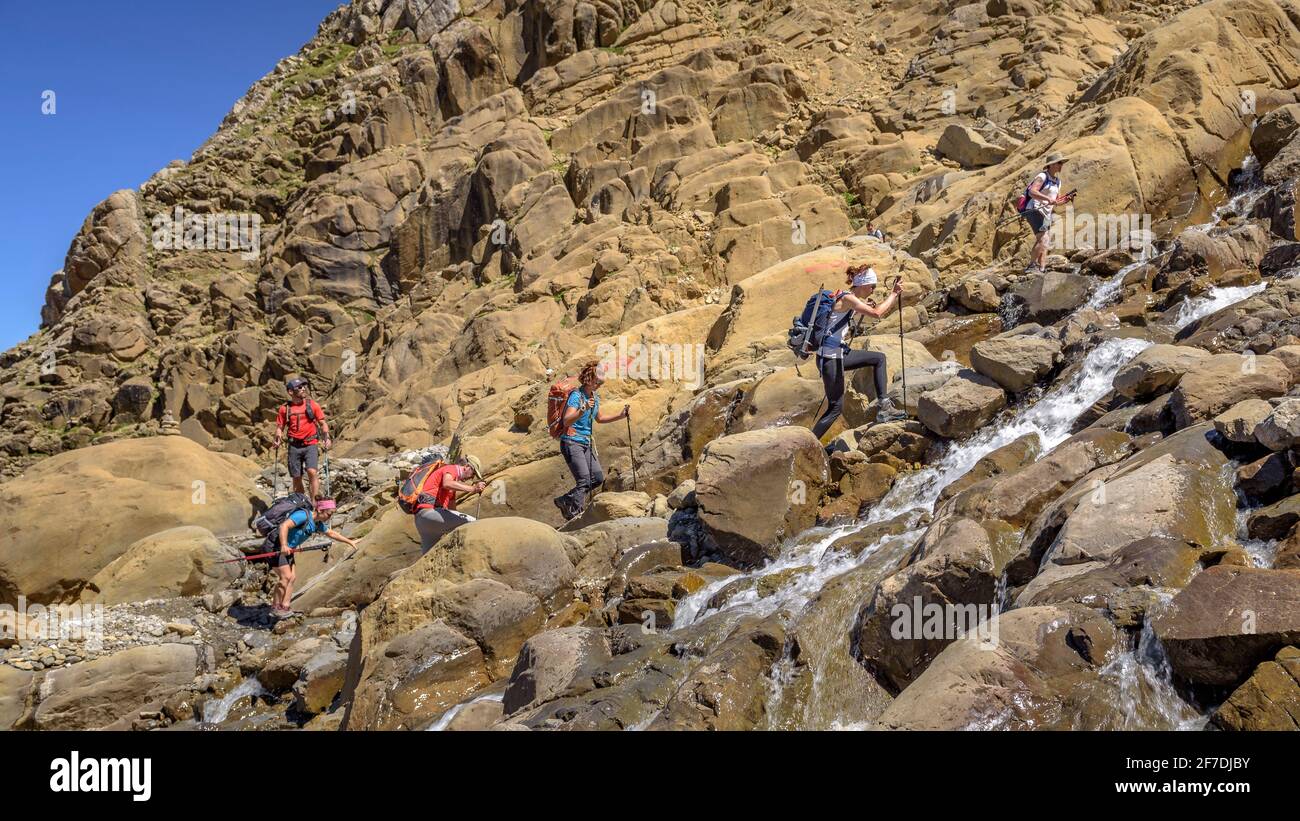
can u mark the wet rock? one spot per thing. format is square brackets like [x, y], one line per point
[1268, 700]
[1157, 369]
[553, 663]
[1027, 677]
[729, 688]
[1266, 480]
[1227, 621]
[320, 679]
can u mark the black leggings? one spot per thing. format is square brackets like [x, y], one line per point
[832, 371]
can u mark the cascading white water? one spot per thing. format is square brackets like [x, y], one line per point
[1143, 683]
[1215, 299]
[1262, 551]
[1050, 419]
[446, 718]
[215, 712]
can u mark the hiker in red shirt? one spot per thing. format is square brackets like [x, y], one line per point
[304, 421]
[435, 513]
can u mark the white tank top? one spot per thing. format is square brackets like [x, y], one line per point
[1051, 187]
[833, 343]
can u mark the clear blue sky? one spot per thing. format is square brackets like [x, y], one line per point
[138, 84]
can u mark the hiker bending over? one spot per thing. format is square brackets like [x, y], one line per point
[576, 446]
[435, 513]
[1043, 193]
[304, 421]
[834, 356]
[297, 528]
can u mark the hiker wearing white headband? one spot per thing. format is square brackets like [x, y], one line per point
[834, 357]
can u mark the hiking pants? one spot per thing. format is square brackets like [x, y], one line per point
[433, 523]
[586, 470]
[832, 371]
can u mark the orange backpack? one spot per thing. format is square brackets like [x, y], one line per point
[556, 401]
[411, 493]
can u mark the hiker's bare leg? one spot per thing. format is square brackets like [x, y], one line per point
[312, 477]
[297, 484]
[283, 584]
[1040, 249]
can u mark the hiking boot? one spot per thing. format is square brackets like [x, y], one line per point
[280, 613]
[889, 412]
[565, 511]
[1033, 268]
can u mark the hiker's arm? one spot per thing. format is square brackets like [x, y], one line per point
[461, 487]
[279, 428]
[284, 535]
[325, 427]
[339, 537]
[867, 308]
[571, 415]
[603, 419]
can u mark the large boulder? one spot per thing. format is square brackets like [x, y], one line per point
[1047, 297]
[1030, 669]
[962, 405]
[1178, 487]
[110, 692]
[1268, 700]
[1273, 131]
[74, 513]
[15, 690]
[1157, 369]
[1224, 380]
[1280, 428]
[1229, 620]
[182, 561]
[757, 488]
[968, 148]
[1016, 362]
[454, 621]
[956, 575]
[551, 661]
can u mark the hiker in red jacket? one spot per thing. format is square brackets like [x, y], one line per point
[304, 421]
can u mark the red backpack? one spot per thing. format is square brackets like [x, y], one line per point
[556, 401]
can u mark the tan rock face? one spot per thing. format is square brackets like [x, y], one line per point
[182, 561]
[124, 491]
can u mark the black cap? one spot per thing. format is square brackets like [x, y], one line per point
[295, 383]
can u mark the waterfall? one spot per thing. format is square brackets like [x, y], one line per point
[215, 712]
[445, 719]
[1215, 299]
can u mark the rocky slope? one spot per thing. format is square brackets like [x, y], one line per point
[457, 202]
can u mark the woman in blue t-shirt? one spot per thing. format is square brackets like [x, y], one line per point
[297, 528]
[576, 445]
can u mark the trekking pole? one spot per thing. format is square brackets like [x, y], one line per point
[275, 473]
[902, 360]
[631, 452]
[274, 553]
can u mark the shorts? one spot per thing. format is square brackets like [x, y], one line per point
[279, 559]
[300, 457]
[1039, 221]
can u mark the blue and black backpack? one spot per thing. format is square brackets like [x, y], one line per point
[812, 326]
